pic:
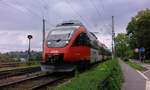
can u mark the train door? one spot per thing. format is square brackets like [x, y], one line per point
[94, 50]
[94, 55]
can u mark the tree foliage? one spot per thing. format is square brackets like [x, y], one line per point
[4, 58]
[122, 45]
[138, 30]
[17, 55]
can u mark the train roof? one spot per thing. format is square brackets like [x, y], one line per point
[66, 27]
[93, 34]
[70, 23]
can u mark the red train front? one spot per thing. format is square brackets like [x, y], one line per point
[70, 45]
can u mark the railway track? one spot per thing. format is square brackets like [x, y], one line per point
[33, 82]
[17, 72]
[2, 65]
[50, 81]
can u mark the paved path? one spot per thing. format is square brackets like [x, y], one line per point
[132, 79]
[147, 73]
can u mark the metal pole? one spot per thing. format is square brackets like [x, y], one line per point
[140, 56]
[113, 38]
[43, 35]
[29, 50]
[29, 53]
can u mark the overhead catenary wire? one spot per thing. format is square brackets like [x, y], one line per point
[80, 16]
[21, 8]
[45, 12]
[44, 7]
[99, 15]
[96, 9]
[102, 6]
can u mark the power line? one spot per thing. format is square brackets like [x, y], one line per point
[45, 8]
[20, 8]
[45, 11]
[96, 9]
[75, 12]
[102, 6]
[85, 20]
[32, 12]
[93, 4]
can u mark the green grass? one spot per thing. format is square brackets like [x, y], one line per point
[108, 74]
[146, 61]
[136, 66]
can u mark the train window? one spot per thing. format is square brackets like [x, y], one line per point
[82, 40]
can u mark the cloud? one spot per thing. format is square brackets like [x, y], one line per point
[19, 18]
[17, 40]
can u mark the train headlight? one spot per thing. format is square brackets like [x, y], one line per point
[48, 42]
[66, 42]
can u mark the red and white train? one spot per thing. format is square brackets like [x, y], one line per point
[70, 45]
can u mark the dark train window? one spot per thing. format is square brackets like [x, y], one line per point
[82, 40]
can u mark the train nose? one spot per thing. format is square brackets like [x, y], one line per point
[55, 58]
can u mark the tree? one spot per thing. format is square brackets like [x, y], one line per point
[5, 58]
[138, 30]
[122, 45]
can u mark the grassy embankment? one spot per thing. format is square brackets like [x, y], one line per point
[105, 76]
[136, 66]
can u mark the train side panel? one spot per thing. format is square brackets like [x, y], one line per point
[79, 53]
[94, 56]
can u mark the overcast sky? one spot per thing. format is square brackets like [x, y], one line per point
[18, 18]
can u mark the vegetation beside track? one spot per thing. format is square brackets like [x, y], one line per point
[105, 76]
[136, 66]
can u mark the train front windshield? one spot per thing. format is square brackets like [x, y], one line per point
[59, 37]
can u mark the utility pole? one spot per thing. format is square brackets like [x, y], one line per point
[113, 38]
[43, 35]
